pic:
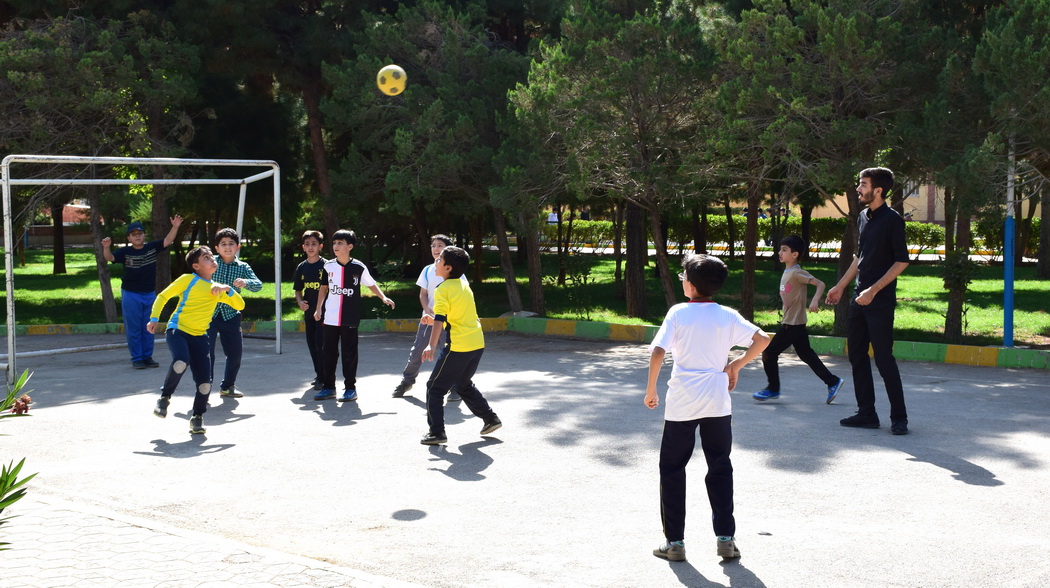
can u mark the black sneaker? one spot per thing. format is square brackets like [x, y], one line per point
[162, 407]
[861, 421]
[432, 439]
[491, 425]
[401, 388]
[197, 425]
[316, 384]
[139, 365]
[150, 363]
[899, 428]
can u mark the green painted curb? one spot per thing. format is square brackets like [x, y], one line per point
[1006, 357]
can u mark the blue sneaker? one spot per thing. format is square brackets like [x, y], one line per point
[325, 394]
[833, 390]
[349, 395]
[764, 395]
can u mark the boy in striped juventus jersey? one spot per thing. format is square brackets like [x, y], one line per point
[341, 308]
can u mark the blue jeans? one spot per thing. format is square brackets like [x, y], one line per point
[188, 351]
[232, 347]
[136, 308]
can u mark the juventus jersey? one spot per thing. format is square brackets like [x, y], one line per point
[342, 307]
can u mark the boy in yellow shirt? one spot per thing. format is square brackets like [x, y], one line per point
[454, 306]
[187, 330]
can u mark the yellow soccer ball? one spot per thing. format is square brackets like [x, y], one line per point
[391, 80]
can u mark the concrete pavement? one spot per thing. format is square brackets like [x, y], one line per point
[287, 491]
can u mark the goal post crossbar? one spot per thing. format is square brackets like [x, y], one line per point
[273, 172]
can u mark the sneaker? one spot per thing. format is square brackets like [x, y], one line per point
[197, 425]
[833, 390]
[861, 421]
[727, 549]
[325, 394]
[150, 363]
[453, 396]
[401, 388]
[139, 365]
[349, 395]
[432, 439]
[162, 406]
[491, 425]
[899, 428]
[672, 551]
[766, 394]
[230, 392]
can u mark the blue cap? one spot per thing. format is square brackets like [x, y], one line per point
[136, 226]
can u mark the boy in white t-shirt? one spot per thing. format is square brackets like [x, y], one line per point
[428, 282]
[699, 335]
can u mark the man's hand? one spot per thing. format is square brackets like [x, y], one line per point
[865, 297]
[834, 295]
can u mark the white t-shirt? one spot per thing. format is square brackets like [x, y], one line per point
[699, 335]
[429, 279]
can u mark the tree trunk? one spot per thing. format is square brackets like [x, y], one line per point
[731, 228]
[1042, 266]
[562, 247]
[532, 247]
[161, 224]
[806, 224]
[747, 291]
[621, 289]
[949, 221]
[500, 225]
[699, 228]
[1025, 232]
[662, 263]
[109, 304]
[637, 259]
[477, 236]
[953, 328]
[847, 250]
[58, 240]
[312, 102]
[962, 230]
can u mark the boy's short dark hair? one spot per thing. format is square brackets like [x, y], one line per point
[794, 243]
[346, 236]
[443, 238]
[195, 254]
[224, 233]
[312, 234]
[457, 258]
[706, 273]
[881, 177]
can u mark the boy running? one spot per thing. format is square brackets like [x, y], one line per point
[792, 330]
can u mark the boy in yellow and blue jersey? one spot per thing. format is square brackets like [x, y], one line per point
[187, 328]
[226, 322]
[454, 306]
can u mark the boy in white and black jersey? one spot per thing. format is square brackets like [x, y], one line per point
[341, 307]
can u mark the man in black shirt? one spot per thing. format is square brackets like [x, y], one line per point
[881, 256]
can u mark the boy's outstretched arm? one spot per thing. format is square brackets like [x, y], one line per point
[176, 222]
[656, 361]
[759, 342]
[375, 290]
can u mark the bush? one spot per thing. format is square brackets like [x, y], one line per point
[924, 236]
[11, 488]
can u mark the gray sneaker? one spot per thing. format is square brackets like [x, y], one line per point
[162, 407]
[453, 396]
[673, 551]
[401, 388]
[727, 549]
[197, 425]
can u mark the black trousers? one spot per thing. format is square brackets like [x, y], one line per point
[454, 368]
[874, 326]
[679, 440]
[315, 343]
[786, 336]
[334, 338]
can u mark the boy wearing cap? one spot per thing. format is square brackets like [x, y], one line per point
[138, 287]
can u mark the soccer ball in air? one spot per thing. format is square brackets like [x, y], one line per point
[391, 80]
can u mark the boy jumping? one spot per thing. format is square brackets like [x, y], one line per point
[187, 330]
[454, 306]
[699, 335]
[792, 330]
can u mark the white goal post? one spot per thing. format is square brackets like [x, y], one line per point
[274, 172]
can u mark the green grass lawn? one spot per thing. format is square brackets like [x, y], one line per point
[590, 294]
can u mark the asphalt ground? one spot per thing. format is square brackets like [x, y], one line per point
[566, 494]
